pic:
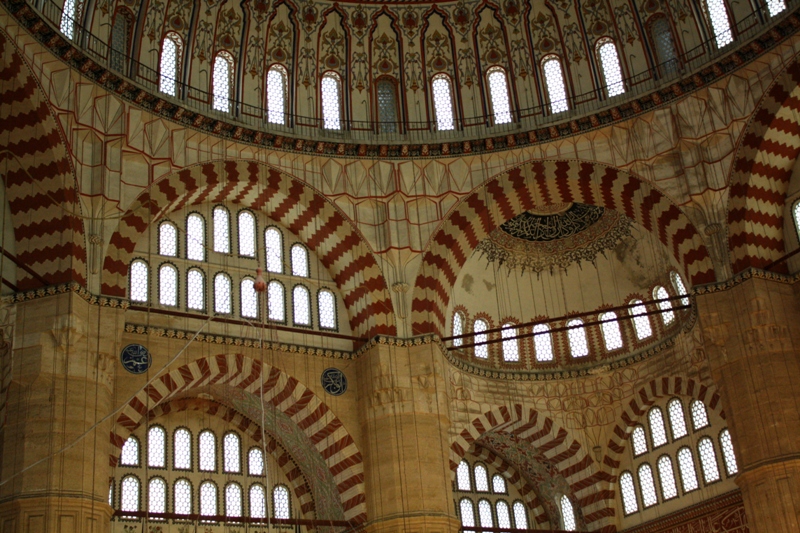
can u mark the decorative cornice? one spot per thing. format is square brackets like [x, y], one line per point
[741, 277]
[64, 288]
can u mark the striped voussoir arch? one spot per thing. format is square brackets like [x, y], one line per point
[761, 174]
[587, 481]
[247, 427]
[322, 428]
[40, 187]
[286, 200]
[542, 183]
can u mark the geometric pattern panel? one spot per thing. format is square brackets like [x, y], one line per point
[543, 183]
[761, 175]
[288, 201]
[565, 456]
[40, 187]
[321, 427]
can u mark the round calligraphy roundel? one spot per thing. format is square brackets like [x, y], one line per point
[135, 359]
[334, 381]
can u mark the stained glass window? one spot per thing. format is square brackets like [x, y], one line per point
[275, 302]
[667, 314]
[481, 478]
[639, 441]
[280, 502]
[326, 309]
[255, 462]
[222, 230]
[331, 101]
[182, 493]
[720, 22]
[223, 82]
[520, 516]
[687, 469]
[68, 16]
[498, 484]
[556, 90]
[578, 345]
[157, 496]
[139, 282]
[628, 491]
[387, 106]
[301, 303]
[485, 513]
[168, 239]
[666, 52]
[232, 453]
[677, 420]
[118, 56]
[775, 7]
[247, 234]
[481, 348]
[708, 460]
[276, 94]
[169, 64]
[667, 476]
[699, 415]
[273, 241]
[195, 289]
[208, 451]
[208, 498]
[611, 332]
[658, 432]
[248, 298]
[168, 285]
[680, 287]
[503, 515]
[258, 501]
[647, 485]
[130, 452]
[182, 445]
[510, 345]
[299, 261]
[462, 476]
[641, 322]
[458, 328]
[233, 500]
[129, 494]
[467, 515]
[567, 514]
[222, 294]
[543, 343]
[156, 447]
[612, 71]
[499, 96]
[195, 237]
[443, 102]
[728, 456]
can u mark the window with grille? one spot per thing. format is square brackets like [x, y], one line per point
[666, 475]
[68, 18]
[442, 89]
[554, 80]
[157, 496]
[680, 287]
[168, 285]
[467, 515]
[129, 497]
[233, 500]
[387, 106]
[543, 343]
[118, 54]
[510, 344]
[687, 470]
[612, 71]
[208, 498]
[258, 501]
[776, 7]
[503, 515]
[667, 314]
[168, 239]
[629, 503]
[222, 84]
[726, 444]
[182, 492]
[248, 298]
[276, 310]
[299, 256]
[273, 244]
[156, 447]
[485, 513]
[499, 97]
[658, 432]
[699, 415]
[130, 452]
[222, 230]
[326, 309]
[639, 441]
[664, 44]
[280, 502]
[301, 306]
[232, 453]
[520, 516]
[480, 338]
[611, 332]
[641, 322]
[195, 237]
[255, 462]
[207, 451]
[331, 101]
[647, 485]
[182, 449]
[222, 294]
[247, 234]
[796, 211]
[195, 289]
[677, 420]
[498, 484]
[139, 281]
[277, 94]
[462, 476]
[481, 478]
[720, 23]
[567, 514]
[458, 328]
[578, 345]
[708, 460]
[169, 64]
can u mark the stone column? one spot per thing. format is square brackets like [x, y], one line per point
[62, 368]
[403, 407]
[752, 332]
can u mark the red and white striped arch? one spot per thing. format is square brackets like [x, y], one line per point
[542, 183]
[767, 153]
[40, 186]
[286, 200]
[327, 433]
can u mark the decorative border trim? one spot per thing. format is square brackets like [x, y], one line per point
[672, 520]
[64, 288]
[113, 83]
[738, 279]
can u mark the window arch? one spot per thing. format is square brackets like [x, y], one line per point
[139, 282]
[222, 294]
[386, 89]
[258, 501]
[443, 108]
[458, 327]
[156, 447]
[520, 516]
[247, 233]
[510, 343]
[677, 420]
[639, 441]
[543, 343]
[207, 451]
[208, 498]
[248, 298]
[168, 239]
[276, 310]
[326, 309]
[331, 89]
[130, 452]
[503, 514]
[168, 285]
[195, 289]
[647, 485]
[641, 322]
[680, 287]
[499, 484]
[664, 44]
[301, 306]
[129, 493]
[610, 66]
[699, 415]
[720, 22]
[280, 502]
[628, 491]
[480, 339]
[658, 432]
[567, 514]
[222, 230]
[485, 513]
[481, 478]
[467, 515]
[667, 314]
[182, 496]
[556, 86]
[255, 462]
[222, 82]
[118, 52]
[170, 64]
[195, 237]
[273, 247]
[182, 449]
[233, 500]
[277, 94]
[708, 460]
[462, 476]
[157, 496]
[499, 95]
[578, 345]
[299, 257]
[611, 332]
[667, 477]
[726, 444]
[232, 453]
[687, 469]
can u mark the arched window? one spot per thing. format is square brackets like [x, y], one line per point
[677, 420]
[503, 514]
[182, 449]
[182, 496]
[556, 88]
[499, 98]
[156, 447]
[728, 456]
[658, 433]
[233, 500]
[168, 285]
[462, 476]
[69, 16]
[118, 54]
[667, 476]
[499, 484]
[626, 487]
[222, 230]
[458, 327]
[688, 472]
[195, 238]
[255, 462]
[222, 294]
[277, 94]
[708, 460]
[510, 345]
[667, 314]
[720, 22]
[699, 415]
[258, 501]
[520, 516]
[276, 310]
[111, 493]
[168, 239]
[248, 298]
[280, 502]
[611, 332]
[775, 7]
[567, 514]
[442, 89]
[481, 478]
[481, 348]
[247, 234]
[331, 88]
[299, 261]
[641, 322]
[639, 441]
[664, 44]
[170, 64]
[129, 494]
[485, 513]
[157, 496]
[680, 287]
[130, 452]
[232, 453]
[195, 289]
[301, 306]
[796, 211]
[326, 309]
[543, 343]
[222, 84]
[467, 515]
[578, 345]
[387, 105]
[612, 71]
[208, 498]
[647, 485]
[273, 244]
[207, 448]
[139, 282]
